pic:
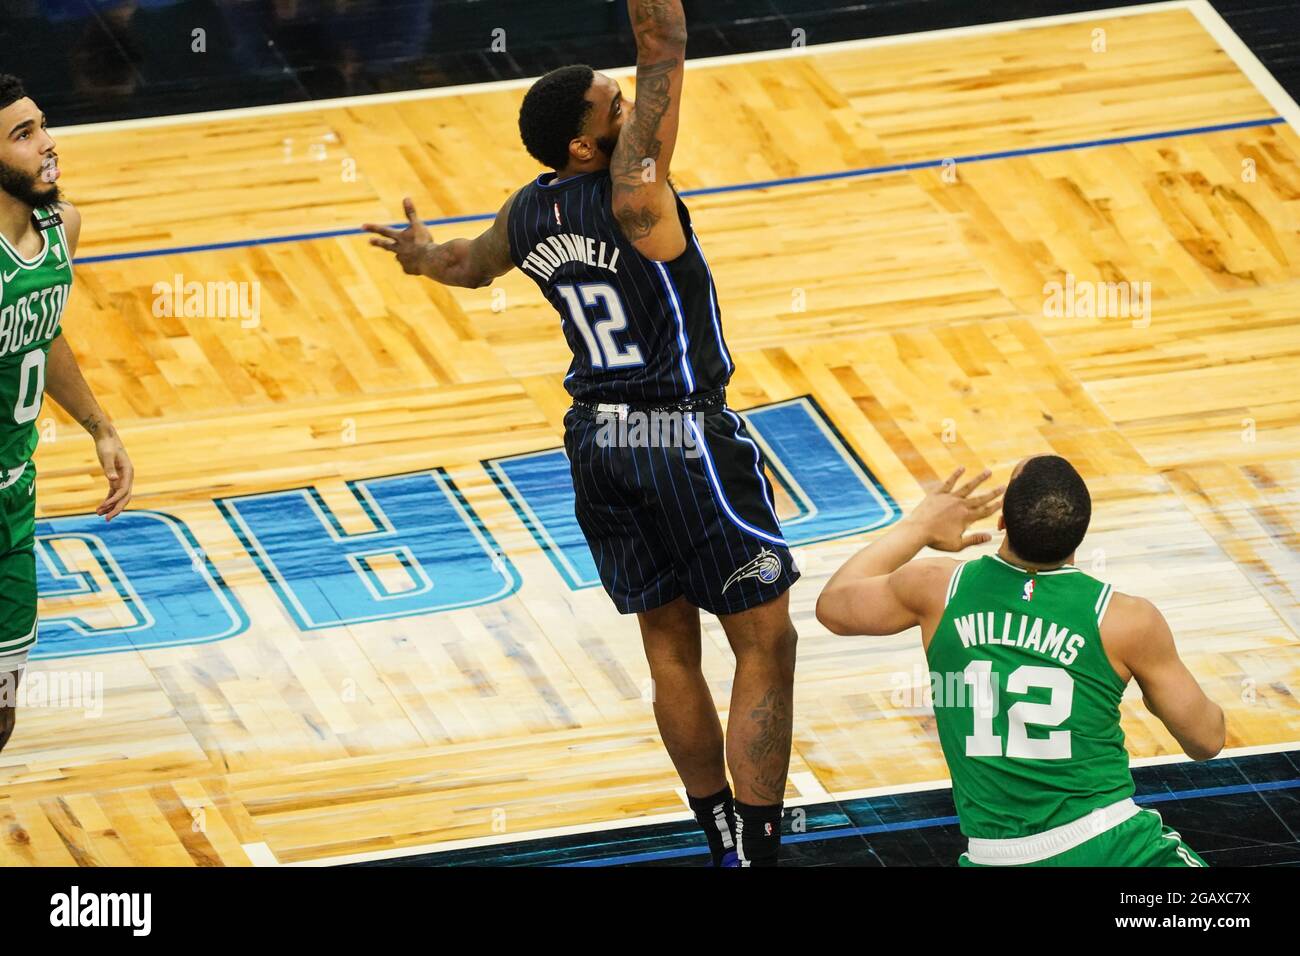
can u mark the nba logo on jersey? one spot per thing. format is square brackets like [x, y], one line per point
[1028, 594]
[558, 221]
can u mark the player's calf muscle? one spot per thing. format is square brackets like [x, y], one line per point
[8, 717]
[767, 736]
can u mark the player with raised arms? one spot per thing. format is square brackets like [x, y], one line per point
[1029, 658]
[675, 529]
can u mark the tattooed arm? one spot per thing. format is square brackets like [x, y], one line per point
[470, 263]
[643, 201]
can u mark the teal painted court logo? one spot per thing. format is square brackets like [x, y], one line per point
[141, 581]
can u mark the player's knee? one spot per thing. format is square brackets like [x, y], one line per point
[672, 643]
[787, 644]
[674, 656]
[778, 642]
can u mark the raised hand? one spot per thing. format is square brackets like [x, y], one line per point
[948, 511]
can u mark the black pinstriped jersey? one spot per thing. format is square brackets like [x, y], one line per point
[639, 330]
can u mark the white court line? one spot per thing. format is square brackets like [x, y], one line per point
[406, 96]
[473, 842]
[1233, 752]
[260, 854]
[1247, 62]
[809, 786]
[651, 820]
[810, 789]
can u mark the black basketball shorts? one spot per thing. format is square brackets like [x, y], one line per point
[676, 503]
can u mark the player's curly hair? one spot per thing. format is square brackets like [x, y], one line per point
[1046, 509]
[554, 112]
[11, 90]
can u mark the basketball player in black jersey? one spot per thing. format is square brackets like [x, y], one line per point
[674, 526]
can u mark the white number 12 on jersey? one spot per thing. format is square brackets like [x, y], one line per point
[605, 353]
[984, 743]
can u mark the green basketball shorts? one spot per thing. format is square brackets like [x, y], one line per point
[1140, 840]
[17, 566]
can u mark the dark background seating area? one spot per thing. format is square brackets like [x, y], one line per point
[92, 60]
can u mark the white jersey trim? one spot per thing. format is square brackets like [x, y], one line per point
[27, 264]
[1063, 569]
[1103, 602]
[952, 583]
[20, 643]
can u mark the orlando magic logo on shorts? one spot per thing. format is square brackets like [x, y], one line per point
[765, 566]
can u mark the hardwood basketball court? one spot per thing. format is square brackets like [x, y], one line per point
[904, 295]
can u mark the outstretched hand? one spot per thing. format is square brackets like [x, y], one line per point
[948, 511]
[411, 245]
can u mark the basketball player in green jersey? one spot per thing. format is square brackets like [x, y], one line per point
[1029, 657]
[38, 236]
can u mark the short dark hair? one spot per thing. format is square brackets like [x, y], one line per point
[553, 113]
[1046, 509]
[11, 90]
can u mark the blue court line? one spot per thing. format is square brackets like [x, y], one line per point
[1219, 791]
[842, 832]
[713, 190]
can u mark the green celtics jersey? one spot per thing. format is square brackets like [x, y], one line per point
[1025, 699]
[33, 293]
